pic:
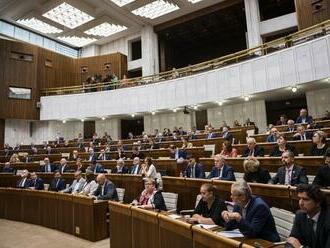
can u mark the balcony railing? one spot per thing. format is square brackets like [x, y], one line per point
[299, 37]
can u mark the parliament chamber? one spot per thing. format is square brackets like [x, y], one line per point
[165, 123]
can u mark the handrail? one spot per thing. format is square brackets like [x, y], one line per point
[260, 50]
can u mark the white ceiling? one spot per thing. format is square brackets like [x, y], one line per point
[101, 10]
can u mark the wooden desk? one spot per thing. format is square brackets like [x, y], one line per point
[80, 216]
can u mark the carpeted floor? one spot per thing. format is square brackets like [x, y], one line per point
[18, 234]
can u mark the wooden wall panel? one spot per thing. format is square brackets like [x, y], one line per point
[2, 133]
[311, 12]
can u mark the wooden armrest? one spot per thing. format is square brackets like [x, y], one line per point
[187, 212]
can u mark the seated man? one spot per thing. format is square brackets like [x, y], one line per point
[291, 126]
[252, 149]
[136, 168]
[209, 208]
[36, 182]
[226, 134]
[76, 185]
[91, 155]
[63, 167]
[150, 197]
[177, 153]
[120, 167]
[106, 189]
[302, 134]
[47, 167]
[251, 215]
[90, 186]
[103, 155]
[282, 146]
[272, 137]
[194, 169]
[24, 182]
[304, 117]
[7, 168]
[289, 173]
[282, 121]
[95, 167]
[58, 183]
[322, 177]
[74, 156]
[311, 226]
[220, 170]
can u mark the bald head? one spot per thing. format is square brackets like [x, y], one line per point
[100, 179]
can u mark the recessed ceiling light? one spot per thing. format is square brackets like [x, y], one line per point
[82, 120]
[155, 9]
[64, 121]
[174, 110]
[68, 15]
[195, 107]
[246, 98]
[40, 26]
[105, 29]
[194, 1]
[121, 3]
[153, 112]
[294, 89]
[220, 103]
[77, 41]
[133, 115]
[103, 118]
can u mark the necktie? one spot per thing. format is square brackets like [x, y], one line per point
[311, 228]
[102, 191]
[251, 153]
[193, 171]
[22, 183]
[288, 177]
[220, 173]
[57, 181]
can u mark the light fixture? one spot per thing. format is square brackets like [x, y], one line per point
[105, 29]
[40, 26]
[133, 115]
[174, 110]
[294, 89]
[82, 120]
[194, 1]
[68, 15]
[220, 103]
[77, 41]
[153, 112]
[155, 9]
[246, 98]
[64, 121]
[195, 107]
[328, 80]
[121, 3]
[103, 118]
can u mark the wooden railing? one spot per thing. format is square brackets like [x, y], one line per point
[275, 45]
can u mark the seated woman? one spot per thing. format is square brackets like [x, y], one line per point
[228, 150]
[148, 169]
[209, 208]
[90, 186]
[282, 146]
[319, 146]
[150, 197]
[185, 143]
[253, 172]
[14, 159]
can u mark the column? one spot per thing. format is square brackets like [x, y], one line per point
[149, 40]
[252, 23]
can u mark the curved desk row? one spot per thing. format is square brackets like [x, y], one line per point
[79, 216]
[131, 227]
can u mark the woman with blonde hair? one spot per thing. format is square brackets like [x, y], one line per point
[14, 159]
[253, 172]
[320, 145]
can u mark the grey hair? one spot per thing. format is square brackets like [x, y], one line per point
[242, 188]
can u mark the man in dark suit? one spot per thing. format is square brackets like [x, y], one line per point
[177, 153]
[289, 173]
[63, 167]
[91, 155]
[24, 182]
[7, 168]
[120, 167]
[136, 168]
[302, 134]
[75, 155]
[220, 170]
[322, 177]
[57, 183]
[251, 215]
[311, 226]
[304, 117]
[47, 167]
[226, 134]
[252, 149]
[194, 169]
[95, 168]
[106, 189]
[103, 155]
[291, 126]
[36, 182]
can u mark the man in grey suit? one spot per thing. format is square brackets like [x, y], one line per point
[106, 189]
[289, 174]
[136, 168]
[76, 185]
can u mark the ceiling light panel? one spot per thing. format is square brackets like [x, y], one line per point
[38, 25]
[77, 41]
[105, 29]
[121, 3]
[155, 9]
[194, 1]
[68, 15]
